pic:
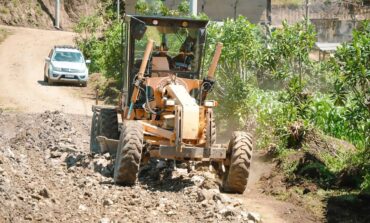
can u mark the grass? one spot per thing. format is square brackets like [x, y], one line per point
[4, 10]
[3, 34]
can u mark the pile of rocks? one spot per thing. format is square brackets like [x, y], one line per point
[48, 174]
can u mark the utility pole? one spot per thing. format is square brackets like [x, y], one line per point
[57, 14]
[194, 7]
[268, 12]
[307, 14]
[235, 8]
[118, 9]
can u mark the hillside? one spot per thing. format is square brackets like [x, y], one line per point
[40, 13]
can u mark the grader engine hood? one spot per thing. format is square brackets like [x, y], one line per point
[187, 118]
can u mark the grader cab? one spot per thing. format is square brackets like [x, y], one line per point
[163, 107]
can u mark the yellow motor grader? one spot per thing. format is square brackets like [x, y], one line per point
[163, 105]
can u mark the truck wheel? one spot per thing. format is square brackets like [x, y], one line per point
[104, 123]
[239, 155]
[50, 82]
[127, 163]
[45, 79]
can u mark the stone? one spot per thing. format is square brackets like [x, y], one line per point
[161, 164]
[197, 179]
[107, 202]
[106, 156]
[45, 193]
[104, 220]
[204, 203]
[200, 196]
[28, 217]
[222, 197]
[171, 213]
[227, 211]
[244, 215]
[254, 217]
[82, 207]
[63, 156]
[55, 154]
[35, 196]
[182, 171]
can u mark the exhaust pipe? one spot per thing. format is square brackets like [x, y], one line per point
[216, 58]
[144, 63]
[209, 81]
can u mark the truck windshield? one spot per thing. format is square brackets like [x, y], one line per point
[68, 57]
[176, 49]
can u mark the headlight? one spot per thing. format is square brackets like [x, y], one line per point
[57, 68]
[82, 71]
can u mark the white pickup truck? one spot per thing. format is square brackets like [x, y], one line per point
[66, 64]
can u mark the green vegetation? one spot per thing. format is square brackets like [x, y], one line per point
[267, 79]
[3, 34]
[270, 77]
[288, 3]
[157, 7]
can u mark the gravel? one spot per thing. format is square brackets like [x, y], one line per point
[47, 174]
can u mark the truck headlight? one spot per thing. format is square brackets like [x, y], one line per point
[57, 68]
[82, 71]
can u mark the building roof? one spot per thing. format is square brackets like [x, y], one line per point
[327, 47]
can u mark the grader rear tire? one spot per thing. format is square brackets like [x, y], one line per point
[239, 154]
[104, 123]
[127, 163]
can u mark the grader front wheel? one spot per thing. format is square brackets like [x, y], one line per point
[239, 155]
[127, 163]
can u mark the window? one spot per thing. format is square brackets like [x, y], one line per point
[62, 56]
[179, 45]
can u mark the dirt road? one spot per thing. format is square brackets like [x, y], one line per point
[48, 175]
[21, 74]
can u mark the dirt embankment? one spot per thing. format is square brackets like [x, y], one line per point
[41, 13]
